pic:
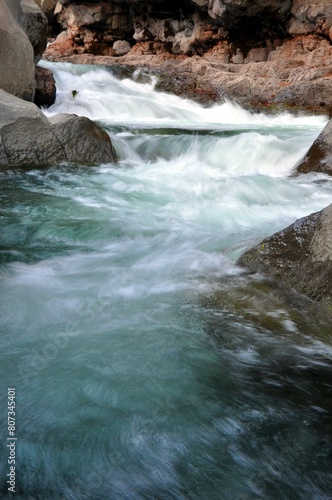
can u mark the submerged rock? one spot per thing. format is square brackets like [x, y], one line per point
[319, 156]
[27, 137]
[300, 255]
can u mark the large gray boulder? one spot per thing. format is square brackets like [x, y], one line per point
[15, 8]
[300, 256]
[27, 137]
[17, 75]
[319, 156]
[81, 139]
[25, 134]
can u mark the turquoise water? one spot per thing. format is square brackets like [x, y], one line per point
[147, 364]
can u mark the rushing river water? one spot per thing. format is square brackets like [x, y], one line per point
[147, 365]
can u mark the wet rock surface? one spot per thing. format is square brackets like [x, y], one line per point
[319, 156]
[300, 256]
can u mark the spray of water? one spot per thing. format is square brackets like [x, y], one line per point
[147, 364]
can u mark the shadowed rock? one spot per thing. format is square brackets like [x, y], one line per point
[34, 23]
[300, 255]
[45, 87]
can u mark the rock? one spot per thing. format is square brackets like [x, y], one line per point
[47, 6]
[92, 27]
[300, 256]
[17, 75]
[34, 23]
[230, 11]
[121, 47]
[319, 156]
[62, 46]
[82, 140]
[250, 52]
[315, 92]
[28, 138]
[26, 134]
[78, 15]
[314, 16]
[45, 87]
[15, 8]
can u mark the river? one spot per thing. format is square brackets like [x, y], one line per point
[146, 363]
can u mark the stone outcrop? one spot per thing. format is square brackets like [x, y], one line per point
[28, 138]
[300, 255]
[187, 26]
[190, 26]
[296, 75]
[17, 75]
[263, 53]
[319, 156]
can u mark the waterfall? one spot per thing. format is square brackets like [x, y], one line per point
[146, 363]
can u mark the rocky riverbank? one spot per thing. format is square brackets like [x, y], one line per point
[265, 55]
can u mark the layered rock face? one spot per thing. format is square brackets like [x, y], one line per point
[261, 52]
[189, 26]
[184, 26]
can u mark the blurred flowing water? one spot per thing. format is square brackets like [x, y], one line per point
[147, 365]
